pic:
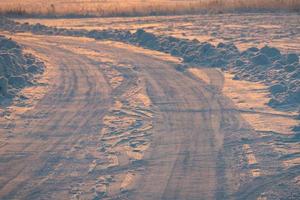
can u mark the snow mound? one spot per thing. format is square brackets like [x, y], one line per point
[17, 69]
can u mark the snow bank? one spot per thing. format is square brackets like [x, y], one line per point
[16, 68]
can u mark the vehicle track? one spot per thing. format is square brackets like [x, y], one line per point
[69, 113]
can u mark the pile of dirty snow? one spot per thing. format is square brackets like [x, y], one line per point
[281, 72]
[17, 69]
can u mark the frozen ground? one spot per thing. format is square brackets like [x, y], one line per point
[119, 121]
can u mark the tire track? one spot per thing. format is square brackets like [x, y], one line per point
[80, 86]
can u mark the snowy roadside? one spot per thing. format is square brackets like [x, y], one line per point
[279, 71]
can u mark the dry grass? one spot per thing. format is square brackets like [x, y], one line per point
[114, 8]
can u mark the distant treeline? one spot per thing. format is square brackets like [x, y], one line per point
[118, 8]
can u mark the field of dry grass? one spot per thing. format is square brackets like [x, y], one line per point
[112, 8]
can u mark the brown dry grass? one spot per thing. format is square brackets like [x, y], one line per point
[113, 8]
